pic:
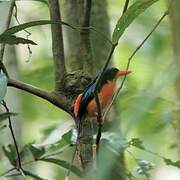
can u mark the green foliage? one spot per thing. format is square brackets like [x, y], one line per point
[37, 152]
[10, 153]
[34, 176]
[6, 115]
[23, 26]
[172, 163]
[42, 1]
[130, 176]
[137, 143]
[129, 16]
[11, 39]
[64, 164]
[3, 86]
[26, 173]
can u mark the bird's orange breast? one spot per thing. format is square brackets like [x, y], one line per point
[105, 97]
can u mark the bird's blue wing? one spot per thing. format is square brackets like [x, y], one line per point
[87, 96]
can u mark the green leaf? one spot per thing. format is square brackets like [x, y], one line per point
[130, 176]
[26, 154]
[3, 86]
[10, 152]
[34, 176]
[43, 1]
[11, 39]
[128, 17]
[172, 163]
[64, 164]
[3, 127]
[37, 152]
[21, 27]
[27, 173]
[6, 115]
[137, 143]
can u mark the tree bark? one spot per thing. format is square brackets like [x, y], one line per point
[175, 27]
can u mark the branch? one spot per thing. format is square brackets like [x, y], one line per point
[87, 14]
[13, 136]
[6, 27]
[85, 44]
[57, 99]
[57, 43]
[131, 57]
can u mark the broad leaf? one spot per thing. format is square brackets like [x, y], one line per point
[130, 176]
[34, 176]
[11, 39]
[64, 164]
[26, 154]
[10, 153]
[3, 127]
[37, 152]
[6, 115]
[137, 143]
[27, 173]
[58, 136]
[128, 17]
[3, 86]
[172, 163]
[21, 27]
[43, 1]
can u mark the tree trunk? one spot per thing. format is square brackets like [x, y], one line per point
[175, 27]
[100, 49]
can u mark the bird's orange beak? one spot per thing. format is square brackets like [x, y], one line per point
[123, 72]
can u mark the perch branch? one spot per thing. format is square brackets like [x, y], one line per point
[57, 43]
[13, 136]
[85, 44]
[57, 99]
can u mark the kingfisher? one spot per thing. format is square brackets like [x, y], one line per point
[85, 103]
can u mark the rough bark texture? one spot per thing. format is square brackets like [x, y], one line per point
[57, 43]
[175, 22]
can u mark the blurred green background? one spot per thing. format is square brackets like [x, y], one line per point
[148, 102]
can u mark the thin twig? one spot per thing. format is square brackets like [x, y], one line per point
[7, 26]
[13, 136]
[2, 66]
[27, 36]
[131, 57]
[55, 98]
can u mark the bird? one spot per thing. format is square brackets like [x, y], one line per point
[85, 103]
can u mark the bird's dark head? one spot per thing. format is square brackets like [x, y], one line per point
[114, 73]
